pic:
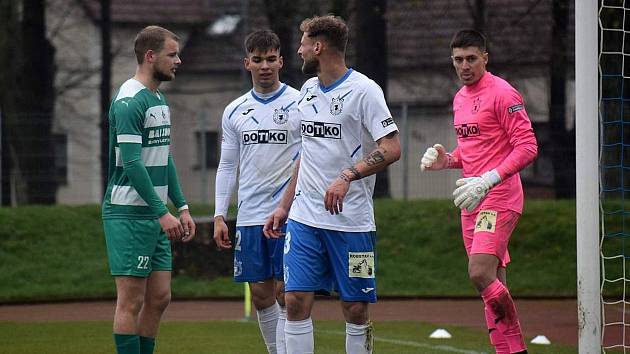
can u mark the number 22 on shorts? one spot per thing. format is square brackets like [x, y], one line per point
[143, 262]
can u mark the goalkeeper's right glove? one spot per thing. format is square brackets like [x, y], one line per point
[472, 190]
[434, 158]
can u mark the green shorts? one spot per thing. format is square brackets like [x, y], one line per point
[136, 247]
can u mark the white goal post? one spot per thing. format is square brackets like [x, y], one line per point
[587, 172]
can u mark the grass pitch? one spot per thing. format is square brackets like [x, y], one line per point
[241, 337]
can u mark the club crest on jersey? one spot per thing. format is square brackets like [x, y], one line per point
[476, 105]
[336, 106]
[281, 116]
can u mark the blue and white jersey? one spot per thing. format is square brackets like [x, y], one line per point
[340, 126]
[266, 133]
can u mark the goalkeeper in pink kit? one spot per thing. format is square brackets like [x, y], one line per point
[495, 141]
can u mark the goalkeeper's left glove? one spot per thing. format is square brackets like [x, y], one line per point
[472, 190]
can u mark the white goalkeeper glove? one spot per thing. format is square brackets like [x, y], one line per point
[434, 158]
[472, 190]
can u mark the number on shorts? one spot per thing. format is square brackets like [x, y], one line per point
[237, 247]
[143, 262]
[287, 242]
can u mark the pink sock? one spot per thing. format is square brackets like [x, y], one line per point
[496, 337]
[498, 301]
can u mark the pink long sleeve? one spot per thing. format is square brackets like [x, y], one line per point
[494, 132]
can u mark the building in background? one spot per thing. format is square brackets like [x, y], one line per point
[421, 81]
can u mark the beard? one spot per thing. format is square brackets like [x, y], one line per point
[310, 67]
[160, 75]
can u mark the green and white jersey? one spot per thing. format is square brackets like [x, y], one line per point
[137, 116]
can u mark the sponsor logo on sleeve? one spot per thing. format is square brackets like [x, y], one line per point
[271, 136]
[467, 130]
[387, 122]
[321, 130]
[516, 108]
[361, 264]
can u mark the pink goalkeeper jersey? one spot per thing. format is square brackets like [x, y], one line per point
[494, 132]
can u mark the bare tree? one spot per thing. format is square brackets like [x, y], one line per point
[106, 86]
[371, 59]
[282, 16]
[562, 140]
[28, 100]
[9, 42]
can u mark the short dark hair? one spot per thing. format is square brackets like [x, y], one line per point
[332, 28]
[151, 38]
[262, 40]
[469, 38]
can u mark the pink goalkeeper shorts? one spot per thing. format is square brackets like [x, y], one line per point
[488, 232]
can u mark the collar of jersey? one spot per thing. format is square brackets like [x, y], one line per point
[270, 99]
[336, 83]
[479, 85]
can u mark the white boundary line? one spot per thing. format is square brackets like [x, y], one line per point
[408, 343]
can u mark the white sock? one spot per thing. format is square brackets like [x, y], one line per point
[359, 338]
[267, 321]
[281, 346]
[299, 336]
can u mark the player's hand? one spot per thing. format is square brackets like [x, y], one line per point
[273, 225]
[434, 158]
[333, 200]
[188, 224]
[221, 237]
[171, 226]
[472, 190]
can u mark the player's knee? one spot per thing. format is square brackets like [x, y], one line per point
[355, 312]
[159, 301]
[129, 304]
[480, 277]
[262, 296]
[297, 308]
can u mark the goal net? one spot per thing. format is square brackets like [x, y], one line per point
[614, 168]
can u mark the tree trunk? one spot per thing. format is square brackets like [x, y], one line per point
[479, 15]
[371, 59]
[562, 141]
[10, 39]
[282, 20]
[31, 125]
[106, 87]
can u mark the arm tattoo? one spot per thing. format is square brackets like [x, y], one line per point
[356, 175]
[375, 158]
[343, 177]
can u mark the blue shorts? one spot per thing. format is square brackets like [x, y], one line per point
[257, 258]
[321, 260]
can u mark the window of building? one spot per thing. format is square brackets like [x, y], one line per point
[207, 147]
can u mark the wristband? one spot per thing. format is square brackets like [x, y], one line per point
[450, 160]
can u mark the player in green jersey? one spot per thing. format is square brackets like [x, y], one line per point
[138, 226]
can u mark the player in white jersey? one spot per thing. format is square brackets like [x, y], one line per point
[348, 134]
[261, 138]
